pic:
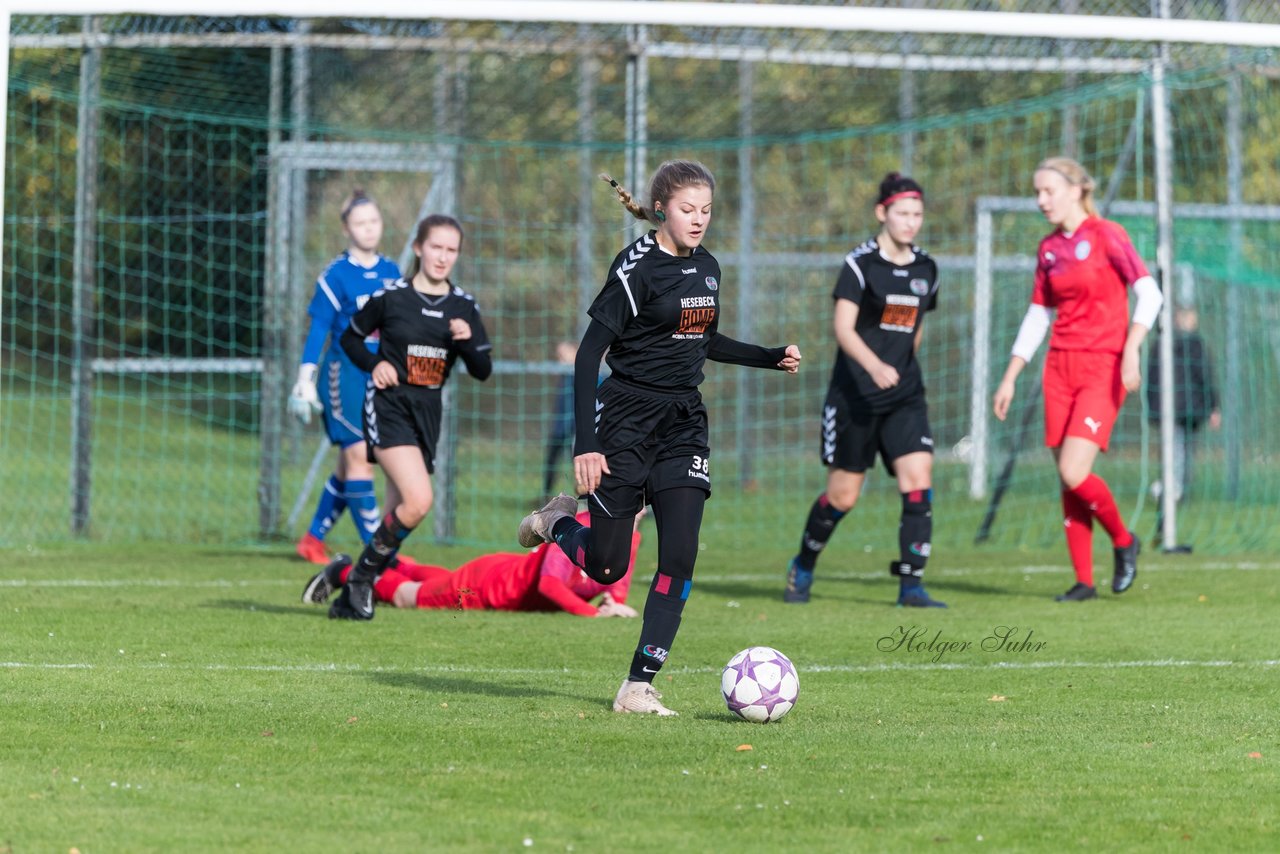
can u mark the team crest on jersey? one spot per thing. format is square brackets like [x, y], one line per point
[1082, 250]
[919, 287]
[712, 284]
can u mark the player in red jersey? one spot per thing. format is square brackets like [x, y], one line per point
[541, 580]
[1083, 272]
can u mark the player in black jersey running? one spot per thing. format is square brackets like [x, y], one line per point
[642, 436]
[875, 403]
[425, 323]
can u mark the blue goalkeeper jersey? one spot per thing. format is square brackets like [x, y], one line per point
[342, 290]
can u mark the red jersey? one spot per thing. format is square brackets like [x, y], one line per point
[1086, 276]
[541, 580]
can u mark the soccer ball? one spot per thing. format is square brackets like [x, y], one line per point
[759, 684]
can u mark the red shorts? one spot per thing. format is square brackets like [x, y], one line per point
[1082, 396]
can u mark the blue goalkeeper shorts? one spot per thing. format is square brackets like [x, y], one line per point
[341, 387]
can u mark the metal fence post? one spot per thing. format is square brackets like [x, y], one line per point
[84, 277]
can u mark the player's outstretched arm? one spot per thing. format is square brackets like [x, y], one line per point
[559, 593]
[730, 351]
[610, 607]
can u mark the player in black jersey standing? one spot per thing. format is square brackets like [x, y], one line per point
[425, 323]
[876, 403]
[642, 436]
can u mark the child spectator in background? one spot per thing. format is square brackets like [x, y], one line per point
[1195, 404]
[561, 436]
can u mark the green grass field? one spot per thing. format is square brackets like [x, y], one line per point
[166, 698]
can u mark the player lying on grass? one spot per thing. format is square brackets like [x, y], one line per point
[540, 580]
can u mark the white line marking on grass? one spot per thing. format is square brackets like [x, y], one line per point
[359, 668]
[1035, 569]
[334, 667]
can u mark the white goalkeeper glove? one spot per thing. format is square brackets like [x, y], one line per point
[303, 400]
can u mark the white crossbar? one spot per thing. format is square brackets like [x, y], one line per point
[697, 14]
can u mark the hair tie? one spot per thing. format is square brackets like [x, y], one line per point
[905, 194]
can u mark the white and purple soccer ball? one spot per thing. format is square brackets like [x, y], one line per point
[760, 684]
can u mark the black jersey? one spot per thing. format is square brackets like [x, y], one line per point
[414, 333]
[890, 300]
[664, 309]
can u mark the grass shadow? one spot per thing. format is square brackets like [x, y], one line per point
[737, 589]
[273, 551]
[984, 589]
[724, 717]
[838, 586]
[258, 606]
[430, 683]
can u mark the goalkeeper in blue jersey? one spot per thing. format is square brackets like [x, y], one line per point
[332, 384]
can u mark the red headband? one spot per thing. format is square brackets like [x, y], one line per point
[905, 194]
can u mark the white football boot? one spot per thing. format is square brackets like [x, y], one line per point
[640, 698]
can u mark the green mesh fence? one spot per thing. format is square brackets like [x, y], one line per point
[203, 261]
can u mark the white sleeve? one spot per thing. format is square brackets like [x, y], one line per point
[1032, 331]
[1149, 301]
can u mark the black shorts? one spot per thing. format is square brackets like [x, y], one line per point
[852, 437]
[401, 415]
[651, 443]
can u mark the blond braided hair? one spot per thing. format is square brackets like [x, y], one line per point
[624, 195]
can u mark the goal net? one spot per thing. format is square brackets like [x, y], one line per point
[172, 186]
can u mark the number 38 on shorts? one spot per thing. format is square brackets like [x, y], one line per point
[700, 467]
